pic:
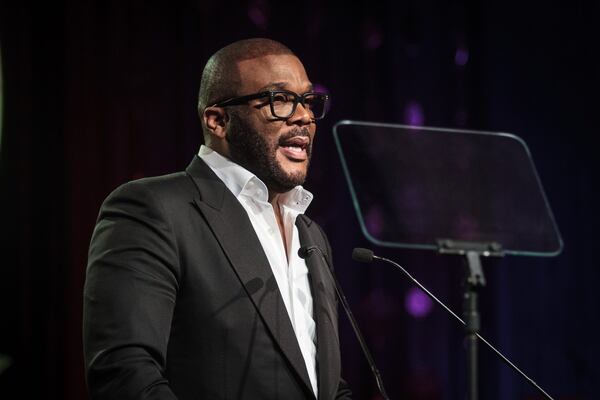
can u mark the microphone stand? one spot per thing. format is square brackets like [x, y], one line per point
[472, 326]
[474, 279]
[474, 273]
[303, 253]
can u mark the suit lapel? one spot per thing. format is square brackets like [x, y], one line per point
[325, 312]
[232, 227]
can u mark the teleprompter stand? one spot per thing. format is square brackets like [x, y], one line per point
[458, 192]
[474, 280]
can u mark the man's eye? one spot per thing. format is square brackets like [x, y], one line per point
[281, 97]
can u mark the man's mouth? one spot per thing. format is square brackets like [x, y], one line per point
[295, 148]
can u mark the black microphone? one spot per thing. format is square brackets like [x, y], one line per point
[303, 253]
[362, 255]
[367, 256]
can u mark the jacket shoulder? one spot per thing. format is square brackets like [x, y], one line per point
[166, 189]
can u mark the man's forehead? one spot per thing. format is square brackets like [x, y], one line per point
[307, 86]
[281, 71]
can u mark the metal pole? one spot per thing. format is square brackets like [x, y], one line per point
[471, 316]
[474, 279]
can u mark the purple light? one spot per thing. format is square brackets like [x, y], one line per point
[373, 37]
[461, 57]
[466, 226]
[413, 114]
[374, 221]
[320, 88]
[259, 14]
[417, 303]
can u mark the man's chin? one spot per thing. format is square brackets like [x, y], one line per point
[284, 181]
[293, 167]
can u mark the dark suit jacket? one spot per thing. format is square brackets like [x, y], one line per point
[180, 301]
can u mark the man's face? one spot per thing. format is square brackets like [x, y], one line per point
[276, 151]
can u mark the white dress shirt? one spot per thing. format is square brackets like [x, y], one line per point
[290, 271]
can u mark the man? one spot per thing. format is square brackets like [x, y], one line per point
[194, 286]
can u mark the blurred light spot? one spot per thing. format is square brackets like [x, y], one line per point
[378, 309]
[374, 221]
[320, 88]
[379, 303]
[258, 12]
[412, 199]
[466, 227]
[417, 303]
[372, 36]
[323, 89]
[413, 114]
[5, 362]
[461, 57]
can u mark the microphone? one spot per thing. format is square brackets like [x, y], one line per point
[304, 252]
[367, 256]
[362, 255]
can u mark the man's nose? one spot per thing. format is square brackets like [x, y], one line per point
[301, 116]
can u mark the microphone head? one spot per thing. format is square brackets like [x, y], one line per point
[304, 251]
[362, 255]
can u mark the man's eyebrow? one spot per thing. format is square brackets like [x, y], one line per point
[274, 85]
[281, 86]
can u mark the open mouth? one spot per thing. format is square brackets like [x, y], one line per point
[295, 148]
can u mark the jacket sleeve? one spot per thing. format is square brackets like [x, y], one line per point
[129, 297]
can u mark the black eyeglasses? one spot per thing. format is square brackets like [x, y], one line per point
[283, 102]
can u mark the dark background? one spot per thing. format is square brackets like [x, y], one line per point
[98, 93]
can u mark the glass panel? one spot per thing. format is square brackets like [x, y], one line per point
[412, 186]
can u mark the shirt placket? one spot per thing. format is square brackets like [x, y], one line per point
[282, 265]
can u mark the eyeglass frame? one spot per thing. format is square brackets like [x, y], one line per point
[298, 98]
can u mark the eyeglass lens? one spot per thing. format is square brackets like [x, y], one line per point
[284, 104]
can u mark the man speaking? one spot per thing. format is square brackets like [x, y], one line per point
[194, 286]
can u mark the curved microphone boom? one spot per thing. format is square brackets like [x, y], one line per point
[367, 256]
[303, 253]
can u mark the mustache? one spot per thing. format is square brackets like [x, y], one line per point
[295, 132]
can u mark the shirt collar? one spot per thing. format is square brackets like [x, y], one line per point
[242, 182]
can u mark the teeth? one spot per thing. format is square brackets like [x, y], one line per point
[294, 144]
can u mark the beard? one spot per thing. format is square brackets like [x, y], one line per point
[253, 151]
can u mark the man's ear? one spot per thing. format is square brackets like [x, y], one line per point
[215, 119]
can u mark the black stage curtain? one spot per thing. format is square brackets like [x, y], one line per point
[100, 92]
